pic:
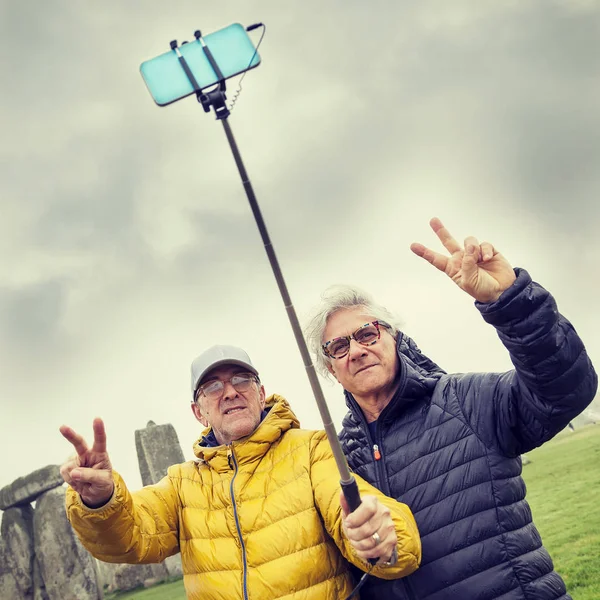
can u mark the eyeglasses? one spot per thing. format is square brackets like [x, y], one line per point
[213, 390]
[367, 335]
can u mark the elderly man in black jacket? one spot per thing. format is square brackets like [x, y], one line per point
[449, 446]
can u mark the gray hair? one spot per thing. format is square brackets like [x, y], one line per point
[333, 299]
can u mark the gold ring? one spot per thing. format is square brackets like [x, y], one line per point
[376, 539]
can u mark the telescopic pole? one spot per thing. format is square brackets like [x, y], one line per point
[340, 459]
[216, 99]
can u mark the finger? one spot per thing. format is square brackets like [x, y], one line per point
[365, 531]
[385, 547]
[97, 477]
[470, 260]
[444, 236]
[366, 510]
[77, 440]
[72, 461]
[382, 550]
[65, 471]
[364, 543]
[439, 261]
[487, 251]
[79, 488]
[99, 436]
[345, 506]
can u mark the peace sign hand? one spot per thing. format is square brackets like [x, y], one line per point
[89, 473]
[478, 269]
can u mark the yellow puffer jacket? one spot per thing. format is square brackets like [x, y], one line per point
[257, 520]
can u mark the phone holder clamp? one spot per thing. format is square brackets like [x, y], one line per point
[216, 96]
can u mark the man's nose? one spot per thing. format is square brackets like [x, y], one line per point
[229, 391]
[356, 350]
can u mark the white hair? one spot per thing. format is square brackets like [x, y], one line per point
[334, 299]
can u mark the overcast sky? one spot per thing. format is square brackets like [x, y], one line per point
[126, 243]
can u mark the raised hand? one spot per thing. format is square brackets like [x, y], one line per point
[478, 269]
[370, 529]
[89, 472]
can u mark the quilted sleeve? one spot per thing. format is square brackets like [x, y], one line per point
[553, 380]
[140, 527]
[326, 487]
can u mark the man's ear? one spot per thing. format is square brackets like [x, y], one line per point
[262, 395]
[198, 414]
[330, 369]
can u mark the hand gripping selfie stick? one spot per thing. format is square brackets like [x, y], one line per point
[216, 99]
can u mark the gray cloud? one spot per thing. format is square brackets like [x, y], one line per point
[32, 314]
[126, 241]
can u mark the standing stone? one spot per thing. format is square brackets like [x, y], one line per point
[39, 587]
[129, 577]
[17, 533]
[122, 577]
[157, 449]
[68, 570]
[174, 566]
[105, 575]
[8, 583]
[26, 489]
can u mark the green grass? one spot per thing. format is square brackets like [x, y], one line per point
[172, 590]
[563, 481]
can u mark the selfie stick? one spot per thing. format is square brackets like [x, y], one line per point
[216, 98]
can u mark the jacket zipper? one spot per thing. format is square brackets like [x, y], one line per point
[378, 456]
[379, 462]
[376, 453]
[230, 457]
[380, 465]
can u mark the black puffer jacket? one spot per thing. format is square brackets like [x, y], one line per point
[450, 449]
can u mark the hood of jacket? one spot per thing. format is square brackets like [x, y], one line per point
[279, 419]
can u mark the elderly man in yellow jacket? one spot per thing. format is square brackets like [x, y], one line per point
[257, 516]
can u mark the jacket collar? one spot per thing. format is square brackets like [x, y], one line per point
[417, 376]
[210, 439]
[278, 418]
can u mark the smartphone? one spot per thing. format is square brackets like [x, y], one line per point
[231, 48]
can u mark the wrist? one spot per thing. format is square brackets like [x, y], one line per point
[519, 300]
[97, 503]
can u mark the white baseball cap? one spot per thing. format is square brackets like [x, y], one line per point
[215, 357]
